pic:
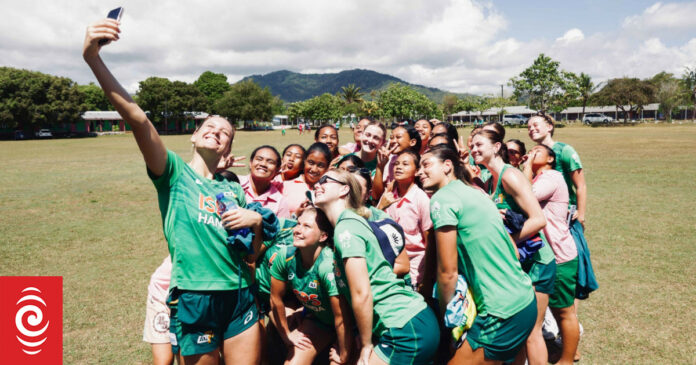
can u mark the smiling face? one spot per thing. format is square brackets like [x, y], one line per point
[405, 168]
[358, 130]
[433, 172]
[264, 165]
[539, 156]
[372, 139]
[329, 189]
[214, 135]
[424, 129]
[483, 150]
[315, 165]
[292, 160]
[538, 128]
[401, 139]
[307, 233]
[329, 137]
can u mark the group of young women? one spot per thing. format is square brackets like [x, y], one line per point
[289, 254]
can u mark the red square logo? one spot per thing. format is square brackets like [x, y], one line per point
[31, 319]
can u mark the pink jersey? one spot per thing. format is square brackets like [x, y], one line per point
[294, 191]
[272, 198]
[352, 147]
[158, 289]
[412, 212]
[550, 189]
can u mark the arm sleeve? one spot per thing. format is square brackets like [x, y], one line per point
[328, 279]
[279, 268]
[443, 213]
[543, 188]
[570, 159]
[349, 239]
[172, 170]
[424, 213]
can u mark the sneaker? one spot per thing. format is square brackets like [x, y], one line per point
[549, 328]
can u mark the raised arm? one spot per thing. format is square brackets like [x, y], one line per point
[149, 141]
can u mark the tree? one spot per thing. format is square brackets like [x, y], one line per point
[325, 107]
[370, 108]
[93, 97]
[212, 85]
[585, 89]
[169, 100]
[401, 102]
[449, 104]
[689, 83]
[668, 92]
[543, 84]
[30, 99]
[351, 94]
[246, 101]
[628, 94]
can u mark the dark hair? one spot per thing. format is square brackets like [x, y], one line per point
[444, 153]
[229, 176]
[548, 119]
[551, 154]
[353, 158]
[494, 137]
[412, 134]
[520, 144]
[304, 152]
[429, 122]
[451, 130]
[449, 144]
[323, 223]
[275, 151]
[370, 119]
[317, 132]
[321, 148]
[497, 127]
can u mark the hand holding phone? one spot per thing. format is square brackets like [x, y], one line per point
[113, 14]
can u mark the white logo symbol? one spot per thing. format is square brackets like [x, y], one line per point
[248, 317]
[313, 285]
[199, 182]
[291, 276]
[204, 338]
[435, 210]
[344, 238]
[34, 319]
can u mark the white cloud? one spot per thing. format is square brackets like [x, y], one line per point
[450, 44]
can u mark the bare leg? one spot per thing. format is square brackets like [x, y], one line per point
[577, 307]
[210, 358]
[536, 346]
[244, 348]
[570, 331]
[466, 356]
[162, 354]
[320, 340]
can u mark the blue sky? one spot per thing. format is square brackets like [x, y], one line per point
[456, 45]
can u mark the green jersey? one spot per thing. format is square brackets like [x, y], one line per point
[201, 259]
[377, 214]
[485, 254]
[263, 267]
[567, 161]
[313, 287]
[393, 304]
[503, 200]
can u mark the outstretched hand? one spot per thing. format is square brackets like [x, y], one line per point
[104, 29]
[229, 161]
[383, 155]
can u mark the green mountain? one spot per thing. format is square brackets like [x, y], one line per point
[292, 86]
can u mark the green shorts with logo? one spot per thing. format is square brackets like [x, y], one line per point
[414, 343]
[502, 339]
[201, 320]
[543, 275]
[564, 290]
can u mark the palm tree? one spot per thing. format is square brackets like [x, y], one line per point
[351, 94]
[586, 88]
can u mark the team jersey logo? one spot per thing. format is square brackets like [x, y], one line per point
[435, 210]
[344, 239]
[313, 284]
[205, 338]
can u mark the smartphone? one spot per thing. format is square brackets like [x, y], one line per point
[113, 14]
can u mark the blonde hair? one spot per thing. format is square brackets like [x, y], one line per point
[354, 197]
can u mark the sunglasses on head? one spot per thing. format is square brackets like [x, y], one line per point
[324, 179]
[360, 170]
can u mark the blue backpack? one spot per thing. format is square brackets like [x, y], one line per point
[390, 236]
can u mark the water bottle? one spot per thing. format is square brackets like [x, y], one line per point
[224, 204]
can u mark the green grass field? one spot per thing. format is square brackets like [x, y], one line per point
[84, 209]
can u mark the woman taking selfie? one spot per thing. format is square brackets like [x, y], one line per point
[206, 272]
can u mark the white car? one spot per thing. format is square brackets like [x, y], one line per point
[592, 118]
[44, 133]
[514, 119]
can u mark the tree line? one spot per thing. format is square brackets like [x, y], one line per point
[30, 100]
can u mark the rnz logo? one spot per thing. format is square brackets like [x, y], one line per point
[29, 321]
